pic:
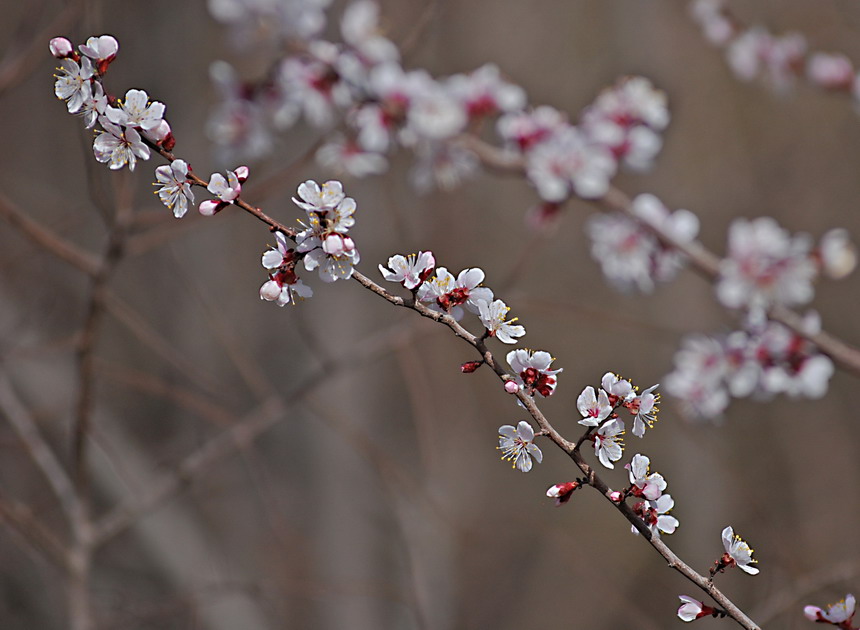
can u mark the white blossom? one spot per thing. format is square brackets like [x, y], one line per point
[119, 147]
[517, 445]
[73, 85]
[595, 408]
[765, 266]
[137, 111]
[532, 371]
[409, 270]
[836, 614]
[644, 483]
[175, 191]
[101, 49]
[739, 552]
[493, 317]
[608, 444]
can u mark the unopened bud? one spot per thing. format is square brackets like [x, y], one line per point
[242, 173]
[270, 291]
[210, 207]
[562, 492]
[616, 496]
[470, 366]
[61, 47]
[511, 387]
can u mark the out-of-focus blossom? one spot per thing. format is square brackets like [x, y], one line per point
[765, 266]
[566, 165]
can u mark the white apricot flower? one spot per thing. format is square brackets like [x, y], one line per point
[175, 191]
[493, 316]
[517, 445]
[594, 408]
[739, 553]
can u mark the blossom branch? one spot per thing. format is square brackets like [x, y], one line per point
[705, 262]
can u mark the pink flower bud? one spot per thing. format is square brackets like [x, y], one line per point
[209, 207]
[159, 132]
[562, 492]
[334, 245]
[616, 496]
[470, 366]
[270, 291]
[242, 173]
[61, 47]
[830, 71]
[511, 387]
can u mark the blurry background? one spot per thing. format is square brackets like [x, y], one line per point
[376, 499]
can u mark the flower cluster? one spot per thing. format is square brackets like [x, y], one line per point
[443, 292]
[656, 505]
[760, 362]
[124, 124]
[630, 254]
[766, 265]
[617, 393]
[322, 244]
[361, 82]
[754, 53]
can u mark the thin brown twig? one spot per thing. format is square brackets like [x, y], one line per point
[38, 449]
[21, 519]
[45, 238]
[13, 69]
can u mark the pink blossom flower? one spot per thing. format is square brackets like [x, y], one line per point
[830, 71]
[61, 47]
